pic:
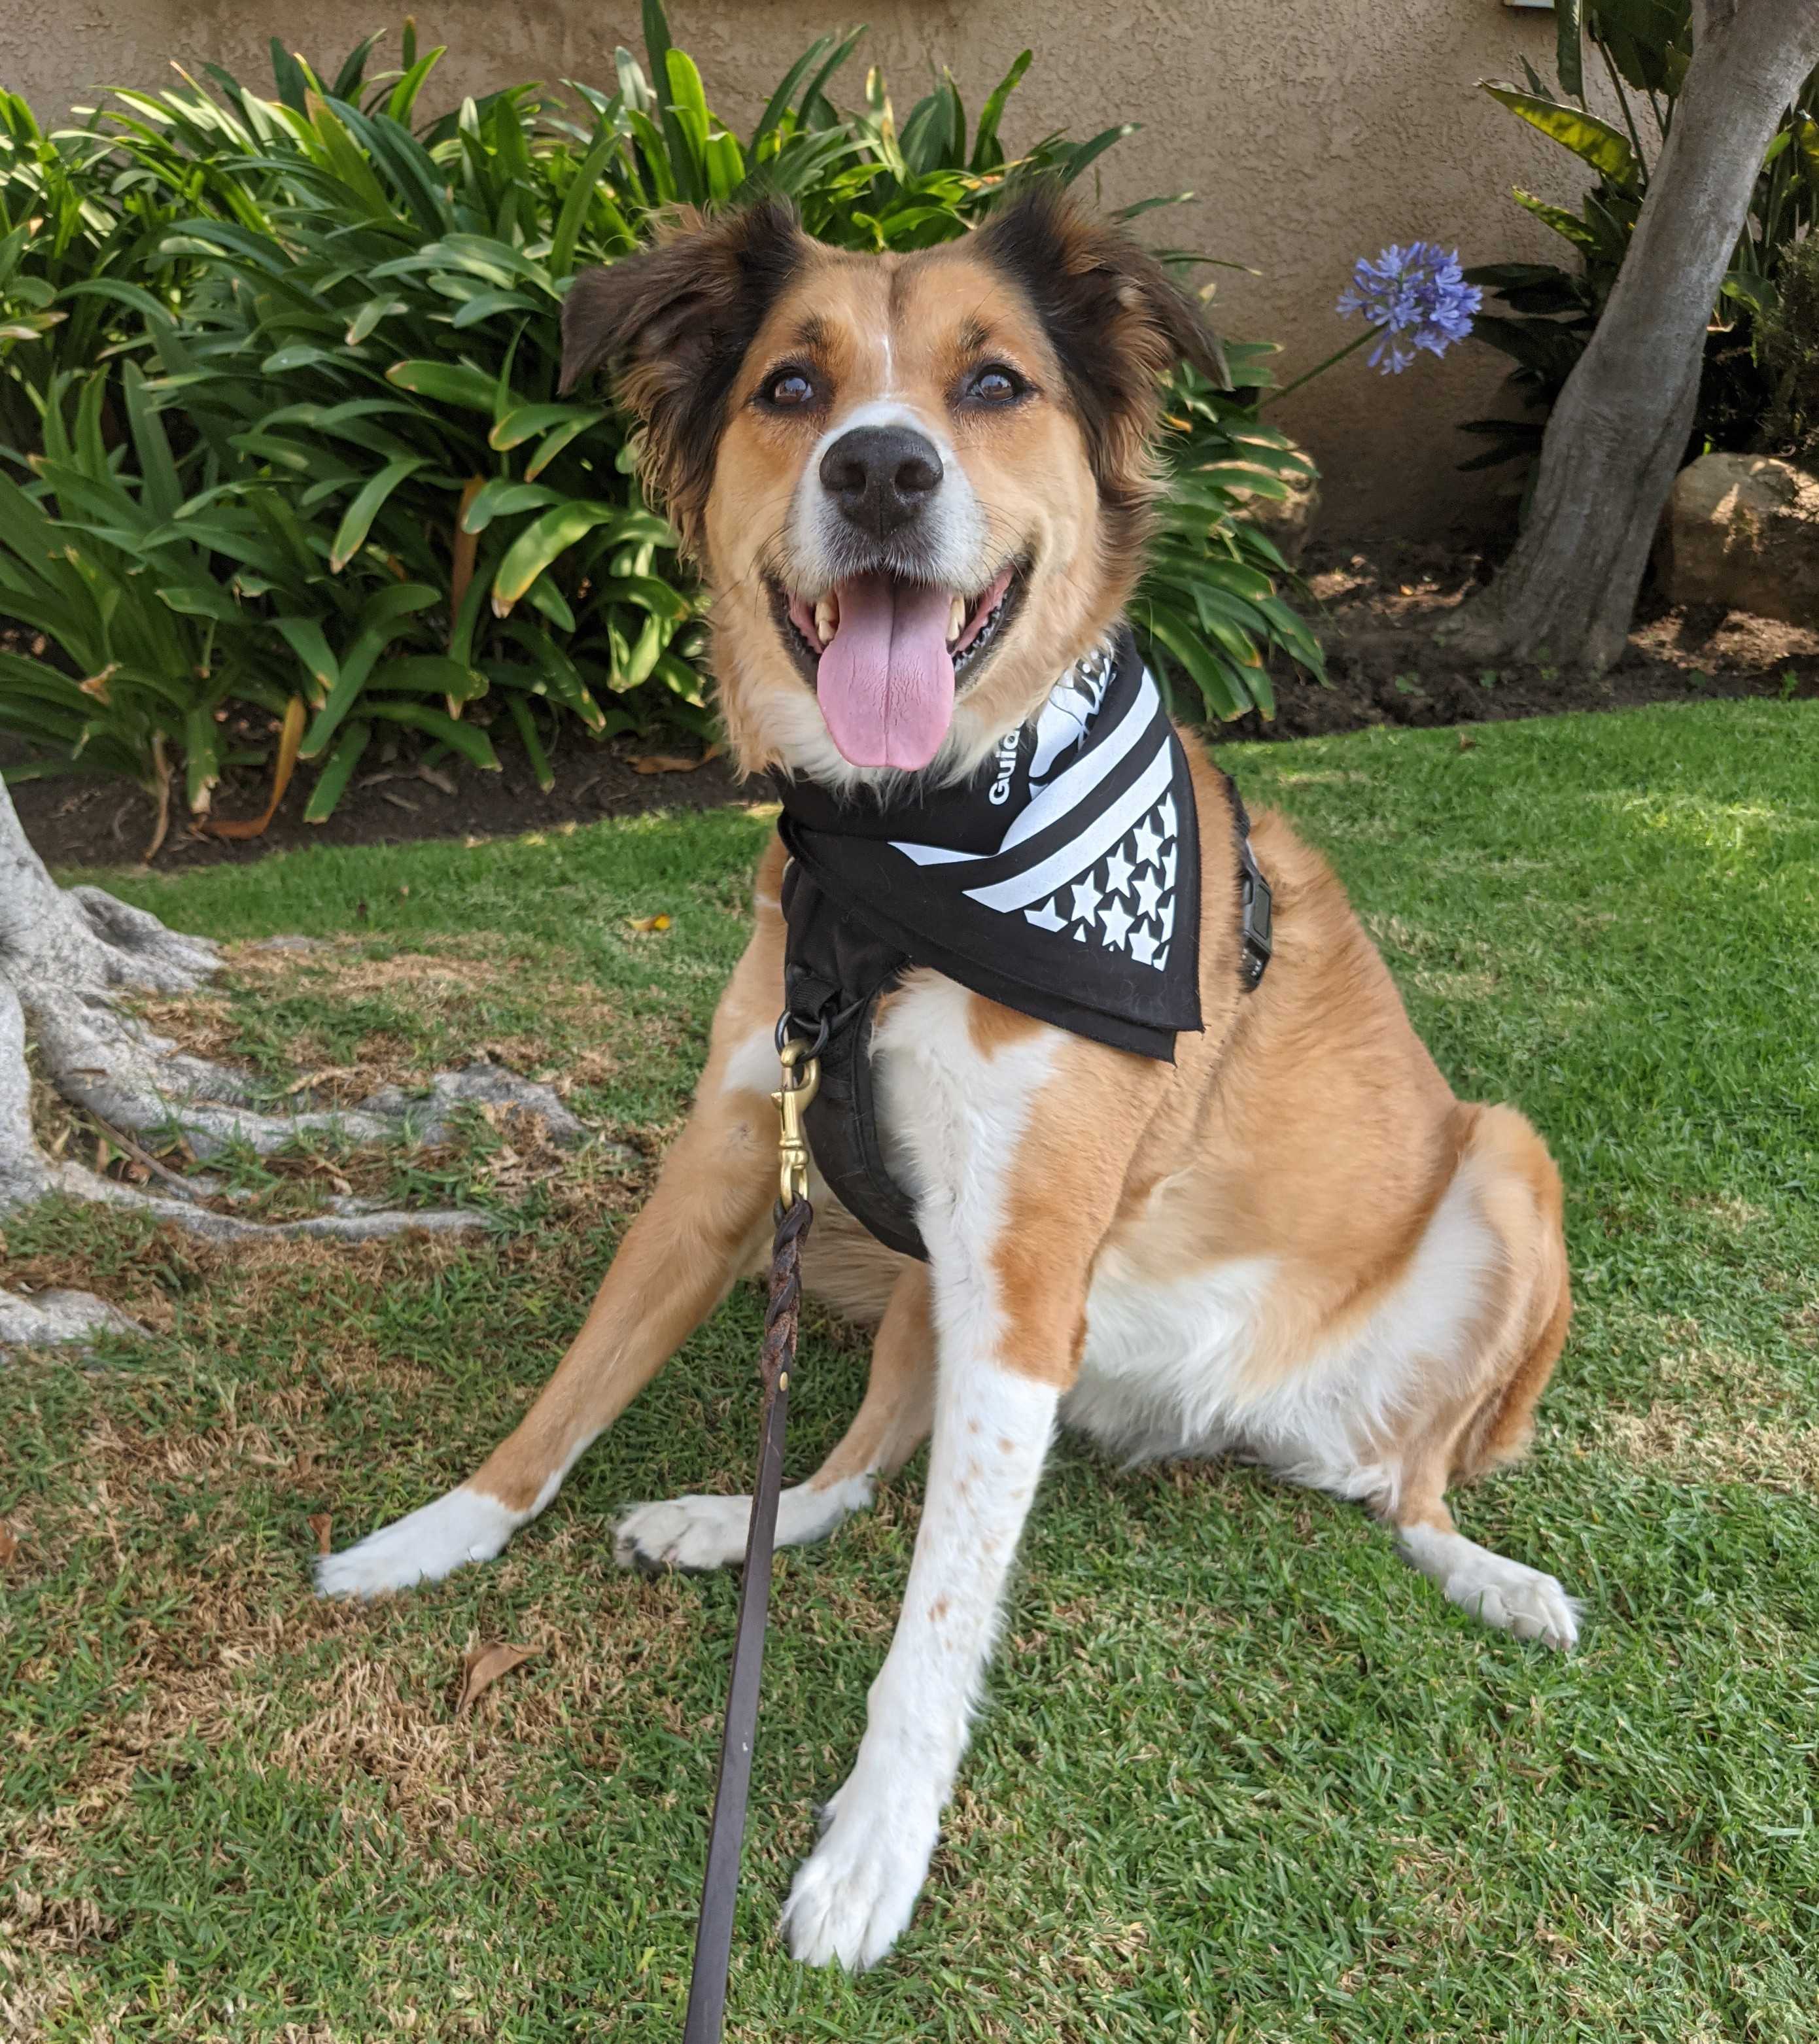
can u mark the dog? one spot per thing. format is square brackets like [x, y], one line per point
[1291, 1244]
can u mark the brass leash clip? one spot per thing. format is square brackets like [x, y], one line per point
[801, 1081]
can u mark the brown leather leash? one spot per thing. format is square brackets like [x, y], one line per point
[777, 1358]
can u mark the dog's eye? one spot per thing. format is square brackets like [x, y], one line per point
[787, 389]
[996, 383]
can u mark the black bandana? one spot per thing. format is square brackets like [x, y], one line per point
[1062, 880]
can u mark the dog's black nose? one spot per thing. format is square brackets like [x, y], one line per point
[881, 477]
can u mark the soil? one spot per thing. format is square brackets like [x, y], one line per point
[1375, 613]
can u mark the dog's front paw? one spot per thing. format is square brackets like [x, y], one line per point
[689, 1533]
[422, 1548]
[853, 1895]
[1517, 1599]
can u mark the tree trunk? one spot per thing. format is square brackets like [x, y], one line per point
[1616, 439]
[84, 939]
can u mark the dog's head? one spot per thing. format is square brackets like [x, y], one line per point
[918, 485]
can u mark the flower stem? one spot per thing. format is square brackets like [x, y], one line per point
[1320, 368]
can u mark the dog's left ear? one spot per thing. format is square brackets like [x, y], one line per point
[671, 325]
[1117, 321]
[1100, 295]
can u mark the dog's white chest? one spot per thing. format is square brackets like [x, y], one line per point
[1165, 1364]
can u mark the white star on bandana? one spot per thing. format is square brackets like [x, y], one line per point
[1086, 899]
[1117, 874]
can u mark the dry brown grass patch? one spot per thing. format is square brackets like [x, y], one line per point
[1726, 1417]
[437, 986]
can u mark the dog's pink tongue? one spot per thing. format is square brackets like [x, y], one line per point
[885, 680]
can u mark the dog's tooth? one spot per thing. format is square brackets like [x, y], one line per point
[956, 619]
[827, 617]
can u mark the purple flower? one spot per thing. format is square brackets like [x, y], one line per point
[1415, 298]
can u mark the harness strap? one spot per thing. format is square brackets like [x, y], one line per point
[836, 971]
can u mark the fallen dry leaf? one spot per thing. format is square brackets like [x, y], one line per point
[9, 1546]
[318, 1078]
[645, 925]
[672, 763]
[322, 1526]
[290, 738]
[482, 1666]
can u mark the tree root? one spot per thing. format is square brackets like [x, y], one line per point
[126, 1076]
[62, 954]
[115, 1067]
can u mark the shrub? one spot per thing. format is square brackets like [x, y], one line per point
[349, 341]
[1790, 344]
[1644, 47]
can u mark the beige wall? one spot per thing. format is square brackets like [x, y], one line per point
[1312, 131]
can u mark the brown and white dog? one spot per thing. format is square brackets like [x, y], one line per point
[1293, 1244]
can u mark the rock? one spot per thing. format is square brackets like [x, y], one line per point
[1286, 520]
[60, 1317]
[1743, 530]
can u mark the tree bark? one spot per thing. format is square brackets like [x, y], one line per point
[1567, 593]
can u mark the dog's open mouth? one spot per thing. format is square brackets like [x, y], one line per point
[887, 657]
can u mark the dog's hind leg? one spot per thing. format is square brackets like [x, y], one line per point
[891, 1424]
[705, 1222]
[1518, 1193]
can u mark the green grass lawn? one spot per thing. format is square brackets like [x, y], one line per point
[1242, 1776]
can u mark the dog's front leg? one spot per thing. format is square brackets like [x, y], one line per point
[1014, 1203]
[702, 1225]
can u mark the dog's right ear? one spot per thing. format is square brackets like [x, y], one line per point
[671, 326]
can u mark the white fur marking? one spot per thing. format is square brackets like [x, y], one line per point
[752, 1066]
[958, 1118]
[954, 529]
[1501, 1592]
[1167, 1369]
[462, 1526]
[696, 1533]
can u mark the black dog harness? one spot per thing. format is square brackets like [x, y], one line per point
[1063, 880]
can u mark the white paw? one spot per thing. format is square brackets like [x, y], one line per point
[423, 1546]
[709, 1532]
[853, 1895]
[683, 1533]
[1518, 1600]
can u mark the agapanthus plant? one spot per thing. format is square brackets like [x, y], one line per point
[1412, 298]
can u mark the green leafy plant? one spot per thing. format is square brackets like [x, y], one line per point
[1788, 344]
[346, 329]
[1643, 47]
[100, 556]
[1209, 608]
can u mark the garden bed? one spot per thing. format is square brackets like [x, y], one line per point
[1376, 613]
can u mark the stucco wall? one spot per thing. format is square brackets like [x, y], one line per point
[1312, 131]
